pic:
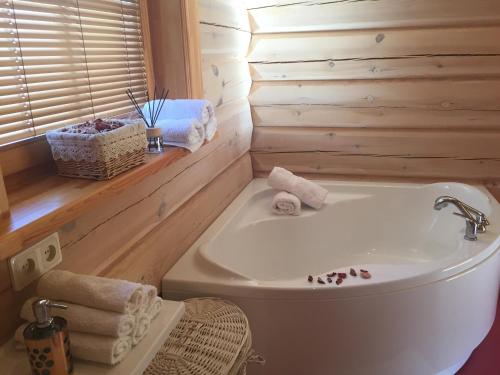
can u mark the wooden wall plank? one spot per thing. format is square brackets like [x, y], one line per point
[225, 80]
[225, 13]
[313, 15]
[386, 68]
[223, 41]
[371, 44]
[373, 117]
[331, 164]
[378, 103]
[426, 94]
[380, 142]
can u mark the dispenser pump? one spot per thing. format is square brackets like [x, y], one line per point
[41, 310]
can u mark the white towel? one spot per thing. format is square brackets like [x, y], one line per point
[200, 109]
[98, 292]
[187, 133]
[155, 308]
[88, 320]
[102, 349]
[142, 324]
[286, 204]
[150, 294]
[307, 191]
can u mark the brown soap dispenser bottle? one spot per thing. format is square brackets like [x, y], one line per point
[47, 341]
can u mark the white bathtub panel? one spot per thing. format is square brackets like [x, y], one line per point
[419, 331]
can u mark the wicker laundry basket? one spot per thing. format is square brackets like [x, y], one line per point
[99, 156]
[212, 338]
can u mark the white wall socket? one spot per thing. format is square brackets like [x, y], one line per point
[32, 263]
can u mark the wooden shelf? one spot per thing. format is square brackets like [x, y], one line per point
[47, 201]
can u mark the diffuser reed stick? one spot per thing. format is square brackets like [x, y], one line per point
[154, 106]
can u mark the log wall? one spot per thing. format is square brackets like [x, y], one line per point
[383, 88]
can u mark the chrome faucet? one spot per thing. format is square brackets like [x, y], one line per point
[475, 220]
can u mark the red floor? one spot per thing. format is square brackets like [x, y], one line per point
[485, 360]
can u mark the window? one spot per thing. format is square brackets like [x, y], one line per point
[66, 61]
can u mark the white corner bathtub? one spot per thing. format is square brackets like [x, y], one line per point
[431, 299]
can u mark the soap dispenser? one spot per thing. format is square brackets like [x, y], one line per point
[47, 341]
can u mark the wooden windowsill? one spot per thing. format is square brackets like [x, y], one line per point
[47, 201]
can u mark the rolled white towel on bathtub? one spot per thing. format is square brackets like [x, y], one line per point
[88, 320]
[307, 191]
[116, 295]
[97, 348]
[286, 204]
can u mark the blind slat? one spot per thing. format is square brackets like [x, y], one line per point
[67, 61]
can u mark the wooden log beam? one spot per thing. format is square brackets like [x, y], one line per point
[273, 16]
[373, 44]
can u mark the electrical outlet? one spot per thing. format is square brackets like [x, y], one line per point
[30, 264]
[50, 252]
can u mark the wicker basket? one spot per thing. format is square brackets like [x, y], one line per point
[212, 338]
[99, 156]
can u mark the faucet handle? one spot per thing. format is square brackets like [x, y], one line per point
[464, 216]
[481, 222]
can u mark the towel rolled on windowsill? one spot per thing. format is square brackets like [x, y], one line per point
[286, 204]
[90, 347]
[88, 320]
[179, 109]
[307, 191]
[120, 296]
[187, 133]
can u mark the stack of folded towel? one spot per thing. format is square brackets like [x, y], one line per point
[292, 191]
[185, 123]
[106, 317]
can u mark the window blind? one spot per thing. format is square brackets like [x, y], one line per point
[67, 61]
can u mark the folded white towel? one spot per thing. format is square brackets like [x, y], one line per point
[102, 349]
[187, 133]
[88, 320]
[210, 129]
[150, 294]
[179, 109]
[142, 324]
[308, 192]
[286, 204]
[155, 308]
[98, 292]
